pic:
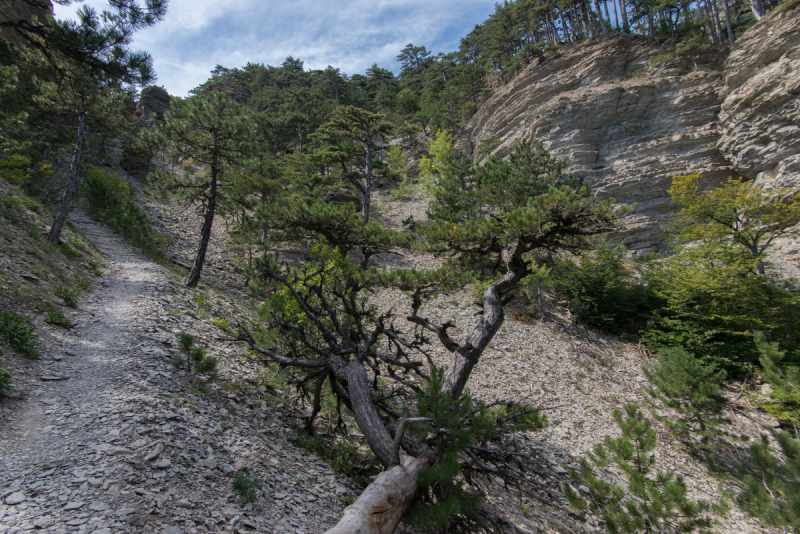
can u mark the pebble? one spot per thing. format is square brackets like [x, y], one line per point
[15, 498]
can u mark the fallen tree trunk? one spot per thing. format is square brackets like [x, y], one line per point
[382, 505]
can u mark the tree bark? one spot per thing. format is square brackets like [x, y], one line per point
[717, 23]
[625, 26]
[369, 422]
[382, 505]
[63, 211]
[466, 356]
[102, 147]
[731, 37]
[758, 9]
[205, 233]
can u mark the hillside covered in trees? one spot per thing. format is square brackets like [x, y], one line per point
[445, 283]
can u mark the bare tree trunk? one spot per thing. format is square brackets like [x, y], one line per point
[564, 27]
[626, 27]
[382, 505]
[608, 15]
[63, 210]
[205, 233]
[758, 9]
[717, 24]
[731, 37]
[102, 147]
[466, 356]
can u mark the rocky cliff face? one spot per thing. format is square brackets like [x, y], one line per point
[760, 101]
[630, 114]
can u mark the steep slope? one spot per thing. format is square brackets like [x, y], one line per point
[630, 114]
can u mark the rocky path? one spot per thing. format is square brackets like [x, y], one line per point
[111, 438]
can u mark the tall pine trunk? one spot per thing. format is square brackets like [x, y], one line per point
[205, 233]
[72, 183]
[717, 23]
[757, 6]
[367, 176]
[625, 26]
[731, 37]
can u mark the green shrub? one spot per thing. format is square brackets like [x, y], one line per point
[109, 201]
[442, 501]
[245, 486]
[67, 294]
[222, 324]
[691, 388]
[57, 318]
[17, 332]
[655, 501]
[603, 289]
[104, 190]
[5, 381]
[712, 302]
[83, 283]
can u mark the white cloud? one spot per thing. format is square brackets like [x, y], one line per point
[196, 35]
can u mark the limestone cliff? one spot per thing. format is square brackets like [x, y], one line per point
[760, 101]
[630, 114]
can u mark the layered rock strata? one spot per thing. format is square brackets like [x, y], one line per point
[630, 114]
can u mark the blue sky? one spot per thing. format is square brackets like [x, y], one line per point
[197, 35]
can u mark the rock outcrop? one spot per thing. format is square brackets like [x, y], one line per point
[630, 114]
[153, 102]
[760, 111]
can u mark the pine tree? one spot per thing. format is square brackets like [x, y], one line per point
[691, 388]
[96, 53]
[214, 131]
[656, 501]
[772, 483]
[350, 143]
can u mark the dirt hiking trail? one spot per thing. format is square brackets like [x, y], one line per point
[112, 438]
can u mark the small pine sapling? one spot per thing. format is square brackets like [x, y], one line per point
[186, 344]
[443, 503]
[691, 388]
[772, 487]
[785, 381]
[245, 486]
[655, 501]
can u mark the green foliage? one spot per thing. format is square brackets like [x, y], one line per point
[442, 502]
[604, 289]
[104, 190]
[18, 334]
[345, 456]
[5, 381]
[204, 364]
[57, 318]
[442, 499]
[404, 190]
[784, 403]
[68, 294]
[685, 384]
[772, 489]
[109, 202]
[715, 288]
[245, 486]
[222, 324]
[656, 501]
